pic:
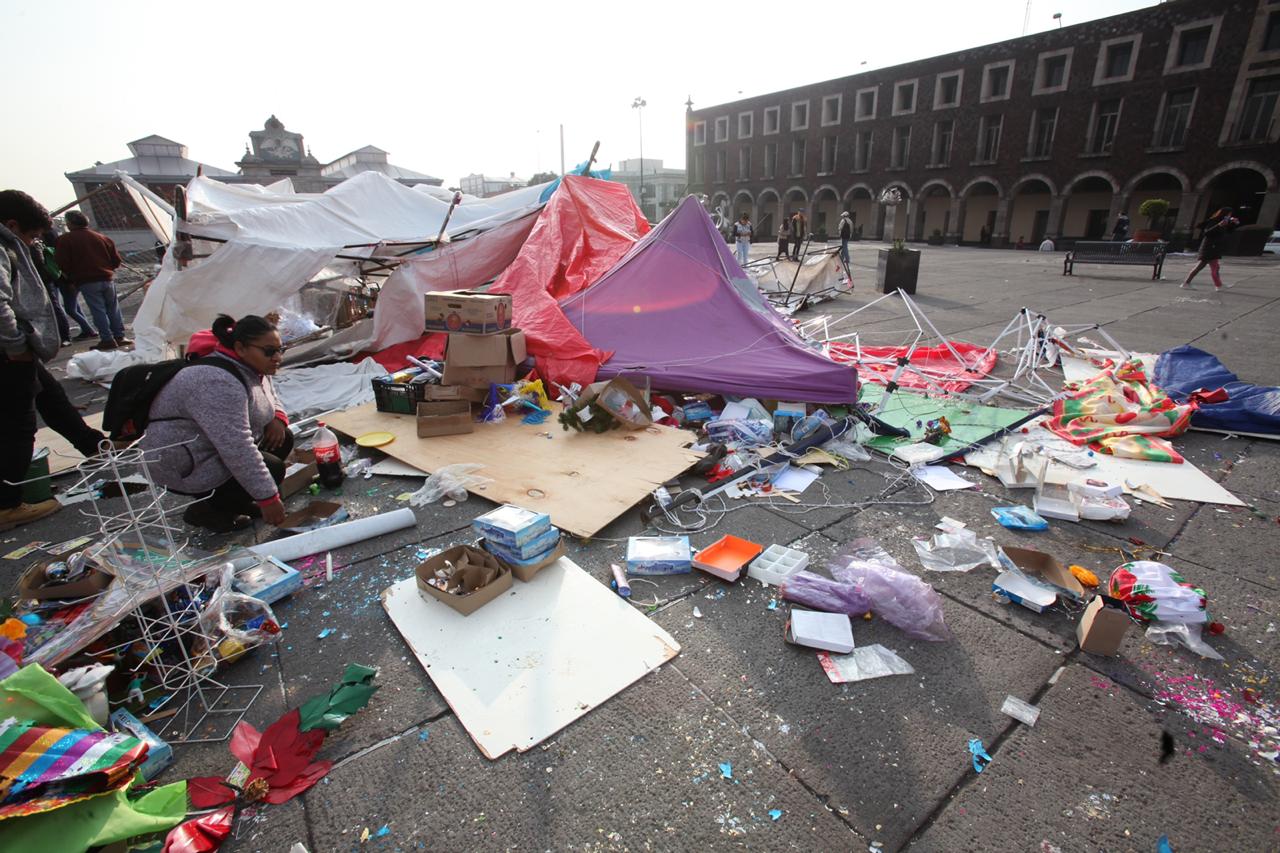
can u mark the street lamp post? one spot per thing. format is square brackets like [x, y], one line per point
[638, 105]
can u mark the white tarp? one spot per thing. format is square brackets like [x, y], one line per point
[277, 240]
[307, 391]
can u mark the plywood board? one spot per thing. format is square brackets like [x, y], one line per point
[533, 660]
[582, 480]
[62, 456]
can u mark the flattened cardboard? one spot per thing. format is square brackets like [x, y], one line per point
[34, 585]
[1101, 628]
[447, 417]
[1045, 567]
[477, 361]
[467, 311]
[482, 574]
[302, 472]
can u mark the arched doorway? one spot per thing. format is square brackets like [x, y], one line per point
[1088, 210]
[1242, 189]
[1029, 211]
[935, 211]
[861, 205]
[798, 200]
[826, 212]
[767, 208]
[1163, 185]
[980, 201]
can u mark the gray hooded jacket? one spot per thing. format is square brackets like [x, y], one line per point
[27, 321]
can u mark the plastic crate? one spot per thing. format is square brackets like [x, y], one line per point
[397, 397]
[776, 564]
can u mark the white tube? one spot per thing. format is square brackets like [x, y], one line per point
[336, 536]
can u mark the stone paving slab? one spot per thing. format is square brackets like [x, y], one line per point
[1088, 776]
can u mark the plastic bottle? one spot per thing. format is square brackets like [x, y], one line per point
[328, 457]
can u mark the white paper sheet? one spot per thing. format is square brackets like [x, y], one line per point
[794, 480]
[940, 478]
[533, 660]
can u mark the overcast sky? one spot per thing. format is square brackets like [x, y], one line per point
[446, 88]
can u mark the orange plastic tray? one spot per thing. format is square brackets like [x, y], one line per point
[729, 554]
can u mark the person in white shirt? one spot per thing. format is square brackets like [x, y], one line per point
[743, 231]
[1047, 245]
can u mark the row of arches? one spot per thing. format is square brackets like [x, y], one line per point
[1033, 207]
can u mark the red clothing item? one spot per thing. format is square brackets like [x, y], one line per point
[84, 255]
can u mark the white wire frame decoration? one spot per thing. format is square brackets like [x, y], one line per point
[157, 583]
[1032, 341]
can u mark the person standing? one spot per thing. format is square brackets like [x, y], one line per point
[50, 279]
[1212, 231]
[846, 234]
[743, 231]
[784, 239]
[66, 290]
[799, 225]
[28, 337]
[90, 260]
[1121, 231]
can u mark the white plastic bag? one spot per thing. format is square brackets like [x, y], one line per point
[956, 551]
[452, 482]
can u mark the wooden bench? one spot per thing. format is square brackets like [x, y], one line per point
[1116, 252]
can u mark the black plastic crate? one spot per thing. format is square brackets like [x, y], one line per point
[398, 398]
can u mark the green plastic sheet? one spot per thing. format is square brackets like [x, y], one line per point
[971, 423]
[328, 710]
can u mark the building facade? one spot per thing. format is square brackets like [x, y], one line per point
[486, 186]
[663, 187]
[1053, 134]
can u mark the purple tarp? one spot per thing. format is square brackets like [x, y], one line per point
[678, 310]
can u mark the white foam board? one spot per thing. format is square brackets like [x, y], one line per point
[533, 660]
[830, 631]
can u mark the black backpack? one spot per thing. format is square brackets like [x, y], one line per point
[134, 389]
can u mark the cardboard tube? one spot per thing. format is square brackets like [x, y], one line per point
[336, 536]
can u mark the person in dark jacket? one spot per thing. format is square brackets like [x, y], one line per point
[846, 234]
[799, 226]
[784, 239]
[221, 436]
[66, 290]
[50, 279]
[1121, 232]
[1212, 230]
[90, 260]
[29, 337]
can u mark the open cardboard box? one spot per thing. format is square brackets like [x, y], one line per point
[446, 417]
[1102, 626]
[1046, 568]
[301, 471]
[478, 361]
[34, 584]
[619, 398]
[479, 573]
[467, 311]
[525, 571]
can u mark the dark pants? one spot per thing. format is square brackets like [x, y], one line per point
[27, 387]
[231, 497]
[795, 247]
[782, 248]
[64, 328]
[71, 304]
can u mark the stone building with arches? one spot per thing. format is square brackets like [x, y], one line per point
[1053, 134]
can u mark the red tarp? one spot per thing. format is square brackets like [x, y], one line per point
[937, 363]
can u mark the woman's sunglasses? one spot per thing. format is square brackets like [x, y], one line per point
[269, 352]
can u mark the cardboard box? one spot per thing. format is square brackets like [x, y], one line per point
[313, 516]
[1046, 568]
[468, 311]
[619, 398]
[269, 581]
[447, 417]
[1020, 590]
[512, 526]
[526, 569]
[300, 473]
[477, 361]
[659, 555]
[478, 572]
[832, 632]
[1102, 626]
[34, 584]
[159, 753]
[534, 548]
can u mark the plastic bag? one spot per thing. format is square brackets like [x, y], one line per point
[1153, 592]
[232, 615]
[898, 597]
[452, 482]
[1175, 633]
[824, 594]
[1019, 518]
[956, 551]
[845, 447]
[747, 433]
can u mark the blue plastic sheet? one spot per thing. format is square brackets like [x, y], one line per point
[1250, 408]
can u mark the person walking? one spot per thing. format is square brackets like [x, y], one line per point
[1212, 231]
[89, 260]
[799, 225]
[784, 239]
[1121, 231]
[846, 234]
[743, 231]
[28, 338]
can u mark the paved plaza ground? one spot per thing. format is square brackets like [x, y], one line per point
[881, 764]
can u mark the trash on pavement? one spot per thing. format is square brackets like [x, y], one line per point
[863, 663]
[463, 577]
[727, 557]
[659, 555]
[956, 551]
[1175, 610]
[895, 595]
[1018, 517]
[776, 564]
[1023, 712]
[831, 632]
[1102, 626]
[813, 590]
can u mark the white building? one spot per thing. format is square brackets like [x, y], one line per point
[484, 186]
[663, 187]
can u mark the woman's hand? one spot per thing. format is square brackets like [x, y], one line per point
[273, 512]
[273, 438]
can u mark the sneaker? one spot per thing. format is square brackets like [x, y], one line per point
[123, 342]
[201, 514]
[66, 343]
[1186, 285]
[106, 345]
[84, 336]
[27, 513]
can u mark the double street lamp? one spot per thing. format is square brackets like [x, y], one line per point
[638, 105]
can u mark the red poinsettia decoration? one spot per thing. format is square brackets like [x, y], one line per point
[201, 835]
[280, 762]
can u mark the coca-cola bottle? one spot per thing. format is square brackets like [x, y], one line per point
[328, 457]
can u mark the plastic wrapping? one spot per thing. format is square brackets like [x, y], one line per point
[1018, 518]
[452, 482]
[863, 663]
[1153, 592]
[824, 594]
[232, 615]
[745, 432]
[847, 448]
[1181, 633]
[956, 551]
[895, 595]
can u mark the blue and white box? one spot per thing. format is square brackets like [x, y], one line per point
[512, 526]
[532, 551]
[659, 555]
[159, 753]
